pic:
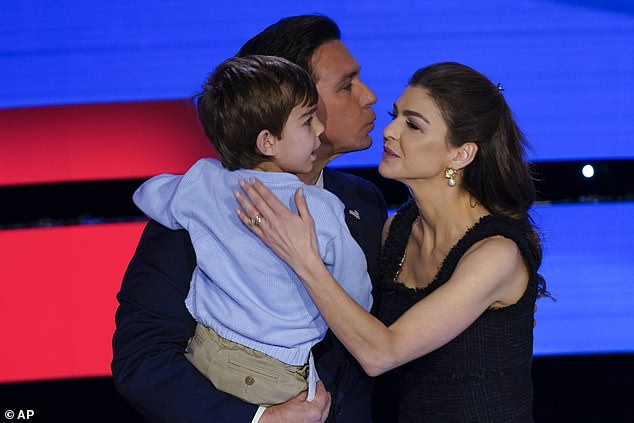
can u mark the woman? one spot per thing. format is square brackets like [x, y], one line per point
[453, 334]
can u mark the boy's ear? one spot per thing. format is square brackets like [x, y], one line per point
[464, 155]
[266, 143]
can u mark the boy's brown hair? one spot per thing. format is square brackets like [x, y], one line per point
[245, 95]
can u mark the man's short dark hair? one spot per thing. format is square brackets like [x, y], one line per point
[245, 95]
[294, 38]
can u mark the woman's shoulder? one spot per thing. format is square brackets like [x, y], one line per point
[496, 248]
[400, 223]
[498, 227]
[386, 228]
[494, 240]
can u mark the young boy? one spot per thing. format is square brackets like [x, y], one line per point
[256, 322]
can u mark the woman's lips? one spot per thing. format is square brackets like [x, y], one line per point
[389, 154]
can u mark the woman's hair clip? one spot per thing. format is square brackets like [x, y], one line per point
[500, 87]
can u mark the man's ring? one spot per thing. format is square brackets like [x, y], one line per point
[255, 220]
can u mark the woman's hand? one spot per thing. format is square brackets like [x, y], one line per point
[291, 236]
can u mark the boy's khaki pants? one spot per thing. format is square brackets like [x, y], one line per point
[243, 372]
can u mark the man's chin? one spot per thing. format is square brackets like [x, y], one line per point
[360, 145]
[367, 143]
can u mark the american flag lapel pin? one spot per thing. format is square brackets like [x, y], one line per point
[355, 213]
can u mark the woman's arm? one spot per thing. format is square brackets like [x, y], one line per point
[480, 281]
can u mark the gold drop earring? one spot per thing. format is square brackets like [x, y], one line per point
[450, 174]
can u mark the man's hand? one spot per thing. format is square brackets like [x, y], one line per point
[298, 410]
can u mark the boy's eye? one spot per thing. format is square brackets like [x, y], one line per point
[309, 121]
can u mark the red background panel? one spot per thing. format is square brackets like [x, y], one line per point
[99, 142]
[58, 299]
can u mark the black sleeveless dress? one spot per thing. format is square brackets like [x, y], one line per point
[483, 375]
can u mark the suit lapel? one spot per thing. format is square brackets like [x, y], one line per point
[353, 216]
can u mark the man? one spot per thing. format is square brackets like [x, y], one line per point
[153, 325]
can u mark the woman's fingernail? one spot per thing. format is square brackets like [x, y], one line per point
[236, 193]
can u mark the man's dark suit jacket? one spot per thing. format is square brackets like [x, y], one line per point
[153, 326]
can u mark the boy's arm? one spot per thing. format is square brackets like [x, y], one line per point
[153, 326]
